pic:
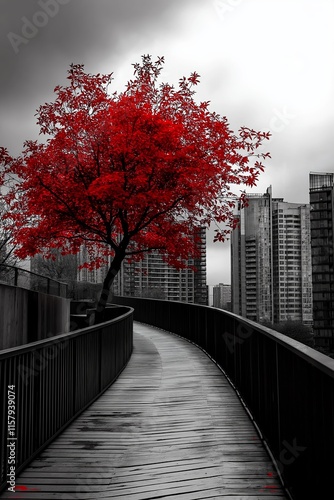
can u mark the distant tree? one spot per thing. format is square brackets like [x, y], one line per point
[86, 290]
[7, 247]
[7, 258]
[295, 330]
[153, 292]
[59, 267]
[126, 173]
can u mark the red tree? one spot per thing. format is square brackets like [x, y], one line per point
[126, 173]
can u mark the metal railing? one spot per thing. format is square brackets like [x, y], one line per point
[23, 278]
[46, 384]
[287, 387]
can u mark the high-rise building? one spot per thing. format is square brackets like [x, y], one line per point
[251, 260]
[271, 261]
[292, 268]
[222, 296]
[322, 243]
[152, 277]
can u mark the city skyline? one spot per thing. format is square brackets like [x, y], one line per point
[259, 66]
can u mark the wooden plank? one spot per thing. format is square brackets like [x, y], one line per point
[170, 427]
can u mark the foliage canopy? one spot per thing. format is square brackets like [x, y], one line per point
[125, 173]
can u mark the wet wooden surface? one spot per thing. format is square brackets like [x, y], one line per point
[171, 427]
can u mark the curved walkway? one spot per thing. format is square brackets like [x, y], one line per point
[171, 427]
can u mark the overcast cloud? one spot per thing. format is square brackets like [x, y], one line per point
[266, 64]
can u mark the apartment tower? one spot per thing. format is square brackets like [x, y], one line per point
[271, 261]
[152, 277]
[222, 296]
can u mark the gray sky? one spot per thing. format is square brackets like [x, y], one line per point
[266, 64]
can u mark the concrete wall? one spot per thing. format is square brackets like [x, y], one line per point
[27, 316]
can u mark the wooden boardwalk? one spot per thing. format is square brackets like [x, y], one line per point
[171, 427]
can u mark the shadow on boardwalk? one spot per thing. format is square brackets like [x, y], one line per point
[171, 427]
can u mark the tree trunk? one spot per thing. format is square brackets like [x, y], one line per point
[108, 281]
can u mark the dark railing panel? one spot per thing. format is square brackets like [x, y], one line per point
[55, 380]
[287, 387]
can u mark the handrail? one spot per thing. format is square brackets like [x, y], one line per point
[287, 387]
[23, 278]
[47, 384]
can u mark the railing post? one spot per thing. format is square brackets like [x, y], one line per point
[16, 276]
